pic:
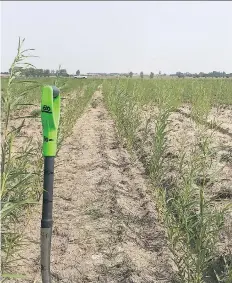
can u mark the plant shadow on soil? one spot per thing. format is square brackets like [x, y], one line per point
[218, 266]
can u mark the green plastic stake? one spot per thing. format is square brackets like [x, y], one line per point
[50, 114]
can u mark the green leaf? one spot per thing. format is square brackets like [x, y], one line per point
[9, 207]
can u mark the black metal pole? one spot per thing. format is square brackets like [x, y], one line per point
[46, 222]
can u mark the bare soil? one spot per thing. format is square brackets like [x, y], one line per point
[220, 116]
[219, 185]
[105, 222]
[183, 135]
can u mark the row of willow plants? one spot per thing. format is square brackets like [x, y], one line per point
[192, 222]
[21, 154]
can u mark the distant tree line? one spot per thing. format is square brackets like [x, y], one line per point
[213, 74]
[32, 72]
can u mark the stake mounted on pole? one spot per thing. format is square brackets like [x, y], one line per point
[50, 115]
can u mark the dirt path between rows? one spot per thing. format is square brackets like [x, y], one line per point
[105, 223]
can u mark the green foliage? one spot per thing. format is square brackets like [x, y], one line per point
[122, 104]
[37, 73]
[215, 91]
[20, 183]
[21, 158]
[192, 221]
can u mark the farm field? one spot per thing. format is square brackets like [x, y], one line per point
[143, 181]
[181, 132]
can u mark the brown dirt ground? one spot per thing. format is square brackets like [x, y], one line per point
[105, 223]
[221, 116]
[219, 188]
[182, 136]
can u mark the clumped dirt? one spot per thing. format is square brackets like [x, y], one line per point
[219, 180]
[220, 116]
[183, 135]
[105, 222]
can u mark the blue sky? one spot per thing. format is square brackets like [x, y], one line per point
[120, 36]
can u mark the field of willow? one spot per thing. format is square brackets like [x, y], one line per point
[179, 131]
